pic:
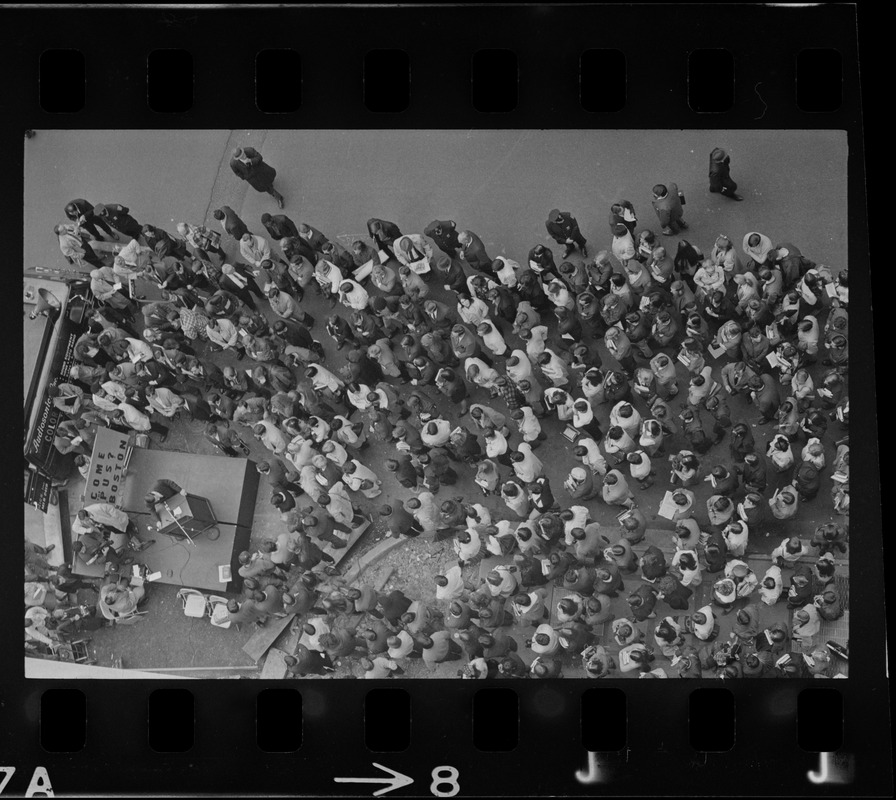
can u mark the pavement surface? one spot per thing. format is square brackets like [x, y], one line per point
[499, 184]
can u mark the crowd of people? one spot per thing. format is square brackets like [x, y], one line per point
[579, 346]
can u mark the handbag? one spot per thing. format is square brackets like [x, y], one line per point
[681, 197]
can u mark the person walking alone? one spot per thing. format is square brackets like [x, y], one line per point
[248, 165]
[720, 181]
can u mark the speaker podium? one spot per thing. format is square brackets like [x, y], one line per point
[185, 516]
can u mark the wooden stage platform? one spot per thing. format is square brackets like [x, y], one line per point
[229, 484]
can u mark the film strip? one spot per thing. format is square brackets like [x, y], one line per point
[489, 116]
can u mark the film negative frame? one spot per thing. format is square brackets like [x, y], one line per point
[550, 758]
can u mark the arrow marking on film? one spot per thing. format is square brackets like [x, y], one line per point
[397, 780]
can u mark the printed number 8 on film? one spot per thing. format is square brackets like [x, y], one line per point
[444, 776]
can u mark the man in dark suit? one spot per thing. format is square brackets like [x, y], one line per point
[313, 239]
[232, 224]
[118, 217]
[248, 165]
[564, 229]
[667, 202]
[720, 174]
[472, 250]
[84, 214]
[279, 226]
[444, 234]
[163, 244]
[383, 233]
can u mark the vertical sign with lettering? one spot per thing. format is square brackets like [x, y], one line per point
[107, 465]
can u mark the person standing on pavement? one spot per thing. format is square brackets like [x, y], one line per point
[75, 246]
[383, 233]
[231, 223]
[119, 217]
[720, 181]
[84, 215]
[668, 202]
[564, 229]
[247, 164]
[444, 234]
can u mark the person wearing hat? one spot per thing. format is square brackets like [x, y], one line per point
[789, 552]
[383, 233]
[635, 656]
[802, 388]
[526, 464]
[402, 647]
[830, 537]
[687, 564]
[563, 228]
[668, 636]
[414, 252]
[570, 608]
[829, 604]
[784, 503]
[801, 590]
[788, 419]
[541, 495]
[438, 647]
[529, 607]
[459, 617]
[724, 594]
[545, 641]
[118, 217]
[640, 466]
[723, 480]
[667, 203]
[580, 485]
[720, 510]
[771, 586]
[386, 280]
[747, 624]
[702, 624]
[358, 478]
[807, 479]
[580, 580]
[753, 472]
[248, 165]
[444, 234]
[615, 490]
[307, 662]
[720, 181]
[541, 267]
[806, 623]
[451, 274]
[450, 586]
[403, 468]
[398, 522]
[754, 348]
[641, 603]
[491, 338]
[84, 215]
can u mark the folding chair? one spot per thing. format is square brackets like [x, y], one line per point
[217, 611]
[194, 602]
[130, 618]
